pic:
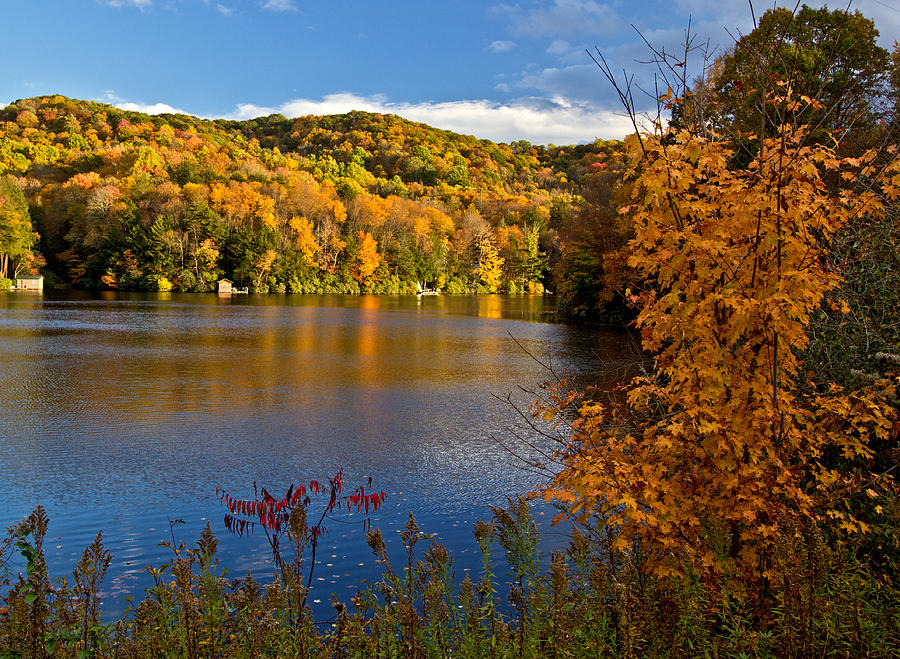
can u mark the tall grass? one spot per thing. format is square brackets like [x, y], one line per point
[586, 601]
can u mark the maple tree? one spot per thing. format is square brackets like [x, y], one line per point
[727, 443]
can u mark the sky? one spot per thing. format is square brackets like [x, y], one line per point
[496, 69]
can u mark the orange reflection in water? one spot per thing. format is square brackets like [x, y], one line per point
[490, 306]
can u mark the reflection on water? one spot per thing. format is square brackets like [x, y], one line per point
[124, 411]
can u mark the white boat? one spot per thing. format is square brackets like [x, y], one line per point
[421, 290]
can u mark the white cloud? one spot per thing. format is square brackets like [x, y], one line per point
[502, 46]
[147, 108]
[537, 120]
[225, 11]
[152, 108]
[559, 47]
[564, 18]
[280, 5]
[140, 4]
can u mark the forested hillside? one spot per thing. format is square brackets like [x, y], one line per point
[350, 203]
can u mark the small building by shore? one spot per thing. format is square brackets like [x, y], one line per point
[30, 283]
[224, 286]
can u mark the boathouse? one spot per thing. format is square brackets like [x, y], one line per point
[30, 283]
[225, 286]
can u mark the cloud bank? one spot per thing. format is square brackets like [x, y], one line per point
[539, 121]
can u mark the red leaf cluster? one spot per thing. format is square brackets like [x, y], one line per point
[361, 501]
[272, 513]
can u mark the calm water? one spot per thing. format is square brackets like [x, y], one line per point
[122, 411]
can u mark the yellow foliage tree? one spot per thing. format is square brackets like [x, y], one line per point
[243, 202]
[304, 239]
[727, 442]
[207, 255]
[490, 263]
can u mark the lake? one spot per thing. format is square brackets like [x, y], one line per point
[124, 411]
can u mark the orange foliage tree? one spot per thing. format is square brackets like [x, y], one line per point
[727, 445]
[368, 259]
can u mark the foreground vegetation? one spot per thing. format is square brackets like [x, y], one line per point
[590, 601]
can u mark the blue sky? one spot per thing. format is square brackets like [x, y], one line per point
[499, 69]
